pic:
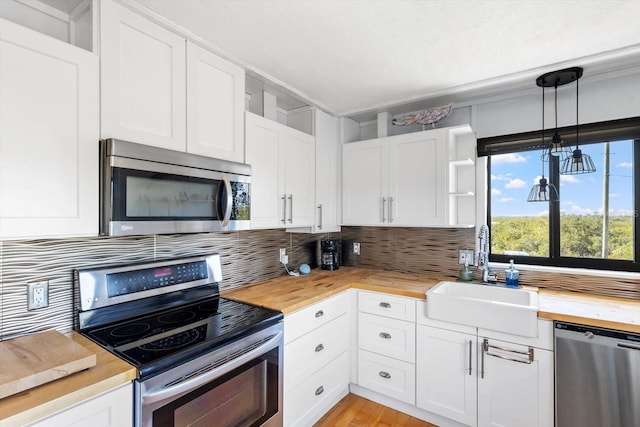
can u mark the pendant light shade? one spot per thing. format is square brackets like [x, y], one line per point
[571, 161]
[577, 163]
[543, 192]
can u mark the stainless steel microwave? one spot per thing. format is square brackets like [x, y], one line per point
[150, 190]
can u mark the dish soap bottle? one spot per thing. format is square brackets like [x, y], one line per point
[466, 274]
[512, 276]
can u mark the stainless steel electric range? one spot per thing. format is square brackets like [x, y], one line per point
[202, 360]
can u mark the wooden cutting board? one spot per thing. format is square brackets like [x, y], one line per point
[39, 358]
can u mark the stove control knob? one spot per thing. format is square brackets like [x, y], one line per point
[589, 335]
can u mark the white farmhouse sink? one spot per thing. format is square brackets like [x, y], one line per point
[513, 311]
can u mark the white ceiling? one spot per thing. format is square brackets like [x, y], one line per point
[352, 57]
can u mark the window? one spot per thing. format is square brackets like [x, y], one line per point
[595, 223]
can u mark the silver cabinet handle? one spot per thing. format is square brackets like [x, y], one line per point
[384, 204]
[320, 217]
[319, 313]
[384, 374]
[290, 208]
[470, 351]
[390, 210]
[385, 305]
[284, 209]
[529, 353]
[482, 360]
[319, 391]
[319, 348]
[385, 335]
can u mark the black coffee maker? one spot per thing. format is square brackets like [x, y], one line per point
[329, 254]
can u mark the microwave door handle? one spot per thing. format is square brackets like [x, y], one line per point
[229, 201]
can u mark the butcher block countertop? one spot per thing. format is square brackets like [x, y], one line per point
[109, 372]
[288, 294]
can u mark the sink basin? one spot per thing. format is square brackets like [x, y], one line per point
[513, 311]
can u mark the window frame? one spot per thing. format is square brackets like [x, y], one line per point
[592, 133]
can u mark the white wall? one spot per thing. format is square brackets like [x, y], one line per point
[602, 98]
[610, 96]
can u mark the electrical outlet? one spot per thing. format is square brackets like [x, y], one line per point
[356, 248]
[465, 255]
[37, 295]
[283, 258]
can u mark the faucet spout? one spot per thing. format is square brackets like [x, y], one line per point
[483, 252]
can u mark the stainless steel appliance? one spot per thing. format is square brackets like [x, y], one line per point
[202, 359]
[149, 190]
[597, 377]
[329, 254]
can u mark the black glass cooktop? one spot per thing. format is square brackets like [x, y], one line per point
[166, 337]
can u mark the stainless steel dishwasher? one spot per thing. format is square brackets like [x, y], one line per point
[597, 377]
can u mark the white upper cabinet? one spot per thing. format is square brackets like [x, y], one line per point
[49, 130]
[215, 106]
[327, 173]
[410, 180]
[283, 171]
[417, 179]
[143, 85]
[365, 182]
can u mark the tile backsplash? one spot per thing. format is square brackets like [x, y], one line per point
[247, 257]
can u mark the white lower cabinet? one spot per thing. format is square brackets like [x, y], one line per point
[316, 359]
[388, 376]
[111, 409]
[515, 386]
[484, 378]
[446, 373]
[386, 345]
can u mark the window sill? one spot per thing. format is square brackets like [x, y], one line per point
[567, 270]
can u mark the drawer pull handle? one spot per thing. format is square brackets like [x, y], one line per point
[385, 335]
[385, 305]
[319, 391]
[319, 313]
[384, 374]
[319, 348]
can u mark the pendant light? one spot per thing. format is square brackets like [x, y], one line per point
[577, 162]
[543, 191]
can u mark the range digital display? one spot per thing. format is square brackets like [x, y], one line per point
[128, 282]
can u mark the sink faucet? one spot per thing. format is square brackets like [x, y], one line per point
[483, 255]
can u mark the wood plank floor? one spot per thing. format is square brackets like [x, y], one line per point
[354, 410]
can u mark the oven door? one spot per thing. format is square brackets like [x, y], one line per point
[141, 197]
[239, 384]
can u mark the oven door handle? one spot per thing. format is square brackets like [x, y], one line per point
[195, 382]
[229, 201]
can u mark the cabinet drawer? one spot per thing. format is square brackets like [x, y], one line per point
[389, 337]
[312, 351]
[307, 319]
[392, 306]
[317, 393]
[387, 376]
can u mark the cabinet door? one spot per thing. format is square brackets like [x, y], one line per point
[365, 182]
[215, 106]
[417, 181]
[267, 181]
[142, 80]
[327, 173]
[512, 391]
[446, 373]
[49, 133]
[297, 158]
[112, 409]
